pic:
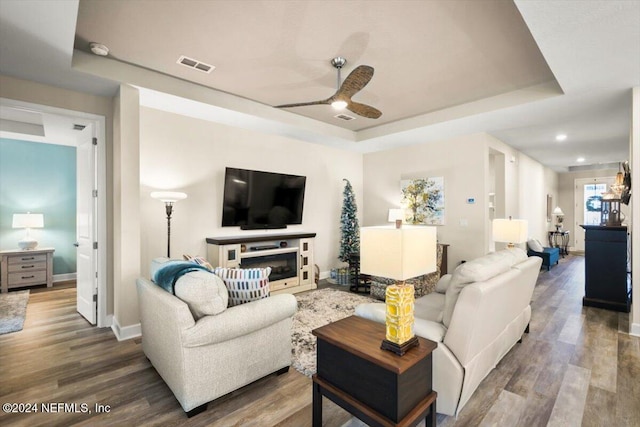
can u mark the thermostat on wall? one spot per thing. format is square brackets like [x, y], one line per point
[471, 200]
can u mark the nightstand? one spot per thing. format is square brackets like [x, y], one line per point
[20, 268]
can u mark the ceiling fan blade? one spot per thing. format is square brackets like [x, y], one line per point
[303, 104]
[355, 81]
[364, 110]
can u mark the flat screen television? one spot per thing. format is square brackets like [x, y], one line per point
[256, 199]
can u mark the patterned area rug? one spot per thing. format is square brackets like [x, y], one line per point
[13, 310]
[315, 309]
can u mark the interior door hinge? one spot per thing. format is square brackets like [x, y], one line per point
[95, 298]
[94, 193]
[95, 245]
[94, 140]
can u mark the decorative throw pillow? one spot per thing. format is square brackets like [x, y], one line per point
[204, 292]
[245, 285]
[535, 245]
[198, 260]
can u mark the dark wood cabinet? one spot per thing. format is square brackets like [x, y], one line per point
[607, 284]
[377, 386]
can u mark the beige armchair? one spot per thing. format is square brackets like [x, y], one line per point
[217, 354]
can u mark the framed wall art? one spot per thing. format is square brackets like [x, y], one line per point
[423, 200]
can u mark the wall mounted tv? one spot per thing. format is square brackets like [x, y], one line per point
[257, 200]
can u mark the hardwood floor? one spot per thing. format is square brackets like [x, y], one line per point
[577, 366]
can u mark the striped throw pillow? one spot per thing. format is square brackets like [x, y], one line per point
[245, 285]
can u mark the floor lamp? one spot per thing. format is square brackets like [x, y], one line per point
[169, 198]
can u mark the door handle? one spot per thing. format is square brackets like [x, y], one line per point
[76, 244]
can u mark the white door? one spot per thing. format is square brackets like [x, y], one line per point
[87, 281]
[588, 195]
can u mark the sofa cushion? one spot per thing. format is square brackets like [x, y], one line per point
[204, 292]
[429, 307]
[245, 285]
[478, 270]
[535, 245]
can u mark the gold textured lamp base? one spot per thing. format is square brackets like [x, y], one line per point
[400, 349]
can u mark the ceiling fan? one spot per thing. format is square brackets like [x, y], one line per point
[353, 84]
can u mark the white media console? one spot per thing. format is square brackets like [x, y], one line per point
[290, 256]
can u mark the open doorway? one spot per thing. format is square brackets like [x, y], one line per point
[85, 132]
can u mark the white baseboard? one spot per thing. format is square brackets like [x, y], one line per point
[64, 277]
[126, 332]
[324, 274]
[635, 329]
[108, 321]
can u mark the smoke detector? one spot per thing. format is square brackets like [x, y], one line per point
[99, 49]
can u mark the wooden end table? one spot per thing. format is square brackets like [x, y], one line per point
[375, 385]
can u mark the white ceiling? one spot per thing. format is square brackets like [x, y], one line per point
[592, 48]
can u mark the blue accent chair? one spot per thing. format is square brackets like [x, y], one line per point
[550, 256]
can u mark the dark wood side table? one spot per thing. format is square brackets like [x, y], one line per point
[375, 385]
[359, 283]
[560, 239]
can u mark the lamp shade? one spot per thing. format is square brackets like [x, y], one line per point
[28, 220]
[168, 196]
[398, 253]
[395, 214]
[509, 230]
[558, 211]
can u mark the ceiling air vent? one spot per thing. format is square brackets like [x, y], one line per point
[344, 117]
[196, 65]
[78, 127]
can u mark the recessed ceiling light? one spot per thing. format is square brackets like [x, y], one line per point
[99, 49]
[561, 137]
[580, 159]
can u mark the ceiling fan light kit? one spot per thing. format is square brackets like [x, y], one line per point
[339, 105]
[354, 83]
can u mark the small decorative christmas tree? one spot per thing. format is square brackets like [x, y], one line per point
[350, 240]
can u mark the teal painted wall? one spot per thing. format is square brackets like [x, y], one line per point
[40, 178]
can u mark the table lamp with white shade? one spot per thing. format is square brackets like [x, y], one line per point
[28, 220]
[559, 217]
[169, 198]
[396, 216]
[399, 254]
[510, 231]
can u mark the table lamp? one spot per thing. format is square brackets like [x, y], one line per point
[28, 221]
[169, 198]
[510, 231]
[399, 254]
[396, 216]
[559, 217]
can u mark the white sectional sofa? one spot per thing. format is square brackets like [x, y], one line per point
[476, 315]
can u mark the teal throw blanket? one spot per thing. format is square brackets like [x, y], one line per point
[167, 275]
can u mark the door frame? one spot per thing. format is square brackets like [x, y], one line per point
[577, 204]
[103, 319]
